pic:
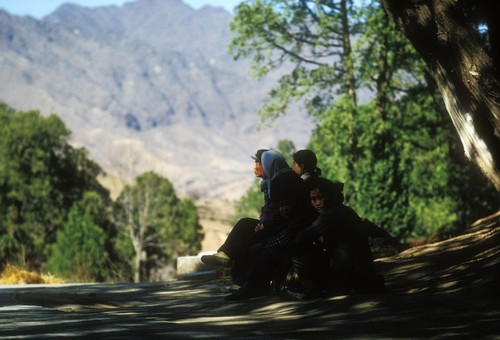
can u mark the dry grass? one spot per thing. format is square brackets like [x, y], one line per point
[14, 275]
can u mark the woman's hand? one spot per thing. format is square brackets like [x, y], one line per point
[259, 227]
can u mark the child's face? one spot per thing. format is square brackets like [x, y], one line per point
[286, 209]
[318, 201]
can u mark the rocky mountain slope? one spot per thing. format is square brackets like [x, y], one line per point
[145, 86]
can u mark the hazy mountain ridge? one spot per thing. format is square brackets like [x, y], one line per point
[145, 86]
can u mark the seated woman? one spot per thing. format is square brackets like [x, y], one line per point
[332, 255]
[236, 250]
[271, 254]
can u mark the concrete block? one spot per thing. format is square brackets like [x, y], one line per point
[192, 267]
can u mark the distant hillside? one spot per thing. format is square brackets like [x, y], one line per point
[145, 86]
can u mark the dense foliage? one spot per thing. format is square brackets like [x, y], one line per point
[79, 253]
[54, 214]
[381, 125]
[41, 177]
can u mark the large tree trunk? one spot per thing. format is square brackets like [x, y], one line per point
[464, 72]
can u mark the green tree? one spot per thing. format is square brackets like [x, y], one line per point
[384, 148]
[79, 253]
[460, 42]
[156, 224]
[407, 175]
[311, 37]
[41, 176]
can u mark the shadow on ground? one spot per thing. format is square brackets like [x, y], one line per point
[443, 290]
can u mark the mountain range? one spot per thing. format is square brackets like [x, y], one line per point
[148, 85]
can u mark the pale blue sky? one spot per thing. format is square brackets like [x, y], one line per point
[40, 8]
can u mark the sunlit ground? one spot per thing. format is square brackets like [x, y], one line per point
[442, 290]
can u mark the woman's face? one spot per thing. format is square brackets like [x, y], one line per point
[297, 169]
[318, 201]
[258, 171]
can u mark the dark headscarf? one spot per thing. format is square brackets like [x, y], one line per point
[330, 189]
[258, 155]
[308, 161]
[306, 157]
